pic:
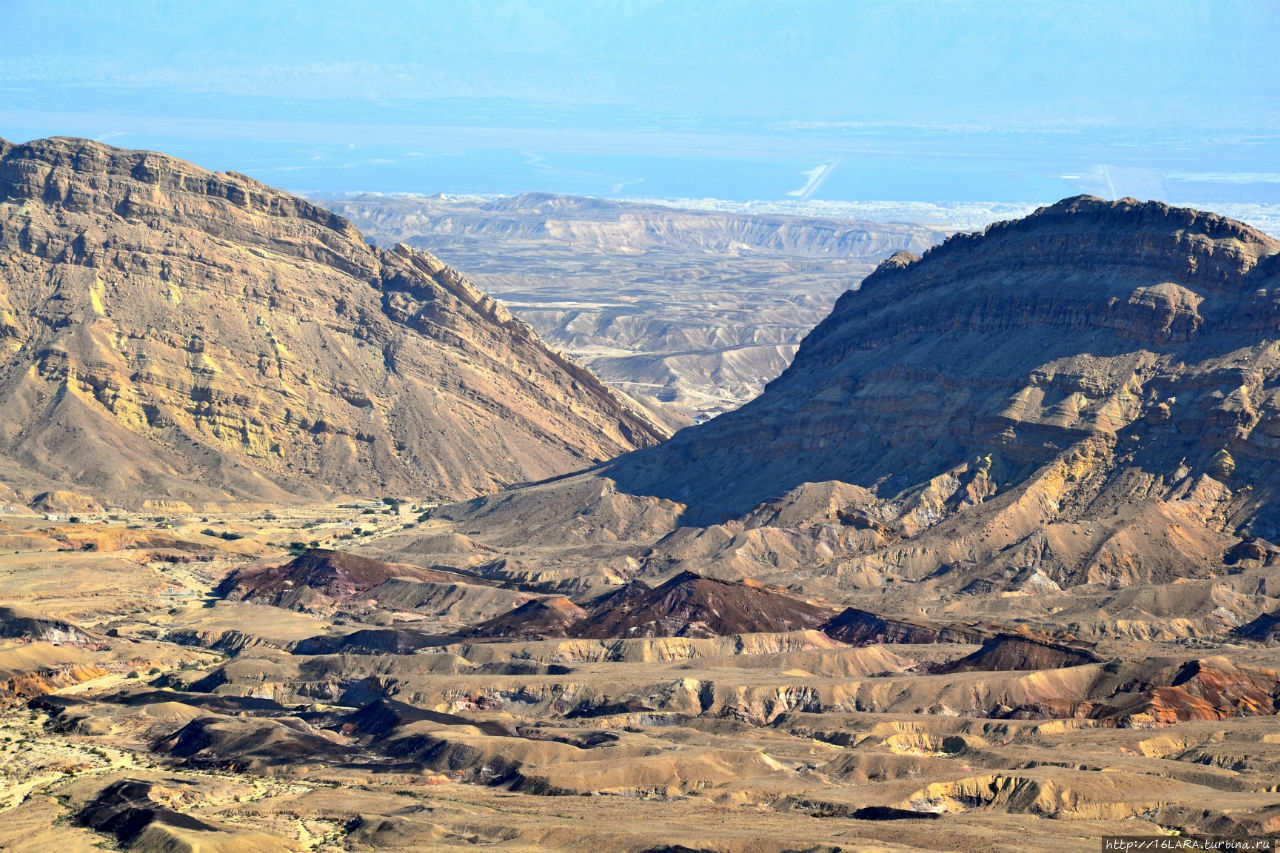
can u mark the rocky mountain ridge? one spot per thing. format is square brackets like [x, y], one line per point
[1074, 323]
[181, 336]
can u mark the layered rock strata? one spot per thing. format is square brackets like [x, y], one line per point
[173, 334]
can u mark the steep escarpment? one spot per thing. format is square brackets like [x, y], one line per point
[31, 627]
[177, 334]
[998, 548]
[1083, 320]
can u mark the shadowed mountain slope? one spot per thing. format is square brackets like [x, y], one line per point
[1264, 629]
[177, 334]
[1082, 320]
[862, 628]
[553, 617]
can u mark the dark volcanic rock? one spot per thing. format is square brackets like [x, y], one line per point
[1264, 629]
[1154, 692]
[689, 605]
[862, 628]
[1210, 689]
[125, 808]
[1006, 652]
[335, 574]
[370, 641]
[245, 743]
[382, 717]
[211, 702]
[535, 619]
[890, 813]
[630, 706]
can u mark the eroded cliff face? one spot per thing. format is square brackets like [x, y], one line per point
[177, 334]
[1134, 323]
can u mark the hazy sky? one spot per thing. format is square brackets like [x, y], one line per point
[937, 100]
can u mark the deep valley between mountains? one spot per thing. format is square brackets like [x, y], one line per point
[311, 545]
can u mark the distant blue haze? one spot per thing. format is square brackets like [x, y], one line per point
[738, 99]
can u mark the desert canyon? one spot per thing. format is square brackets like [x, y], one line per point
[307, 544]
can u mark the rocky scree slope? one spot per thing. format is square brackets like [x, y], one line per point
[177, 334]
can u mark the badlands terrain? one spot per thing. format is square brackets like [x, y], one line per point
[690, 311]
[177, 688]
[989, 566]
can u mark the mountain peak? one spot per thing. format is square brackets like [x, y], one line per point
[1085, 230]
[41, 169]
